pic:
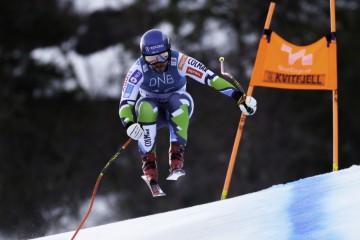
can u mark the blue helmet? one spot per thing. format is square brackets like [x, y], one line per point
[154, 42]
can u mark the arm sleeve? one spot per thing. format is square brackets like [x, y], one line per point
[194, 69]
[129, 94]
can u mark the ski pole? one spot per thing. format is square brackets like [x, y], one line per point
[97, 185]
[237, 84]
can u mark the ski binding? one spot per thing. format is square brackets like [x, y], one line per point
[174, 175]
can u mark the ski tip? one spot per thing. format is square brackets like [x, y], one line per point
[144, 178]
[159, 195]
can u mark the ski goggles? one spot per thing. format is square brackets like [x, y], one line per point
[159, 58]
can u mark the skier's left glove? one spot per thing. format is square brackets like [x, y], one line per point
[247, 105]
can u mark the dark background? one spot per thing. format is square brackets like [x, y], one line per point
[53, 146]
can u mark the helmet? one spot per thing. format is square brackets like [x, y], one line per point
[154, 42]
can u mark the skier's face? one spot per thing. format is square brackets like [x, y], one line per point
[158, 62]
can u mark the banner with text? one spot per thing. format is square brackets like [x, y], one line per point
[280, 64]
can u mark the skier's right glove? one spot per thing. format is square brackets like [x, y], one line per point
[135, 131]
[247, 104]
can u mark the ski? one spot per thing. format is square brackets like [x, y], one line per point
[174, 175]
[154, 187]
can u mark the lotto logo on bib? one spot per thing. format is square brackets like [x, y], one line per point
[135, 77]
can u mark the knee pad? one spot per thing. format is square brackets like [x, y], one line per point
[146, 110]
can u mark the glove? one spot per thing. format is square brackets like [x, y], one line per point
[247, 105]
[135, 131]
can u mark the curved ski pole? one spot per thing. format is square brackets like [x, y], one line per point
[97, 185]
[237, 84]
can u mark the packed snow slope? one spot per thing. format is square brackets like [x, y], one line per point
[316, 208]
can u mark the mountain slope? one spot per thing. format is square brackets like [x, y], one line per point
[321, 207]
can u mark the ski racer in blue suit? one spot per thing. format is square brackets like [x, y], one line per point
[154, 95]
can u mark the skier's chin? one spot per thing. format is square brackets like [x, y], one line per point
[159, 67]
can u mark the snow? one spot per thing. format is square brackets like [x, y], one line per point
[90, 6]
[320, 207]
[98, 73]
[103, 210]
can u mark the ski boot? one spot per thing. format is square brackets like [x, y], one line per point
[176, 162]
[151, 174]
[149, 166]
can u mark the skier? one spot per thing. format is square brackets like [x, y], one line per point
[159, 76]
